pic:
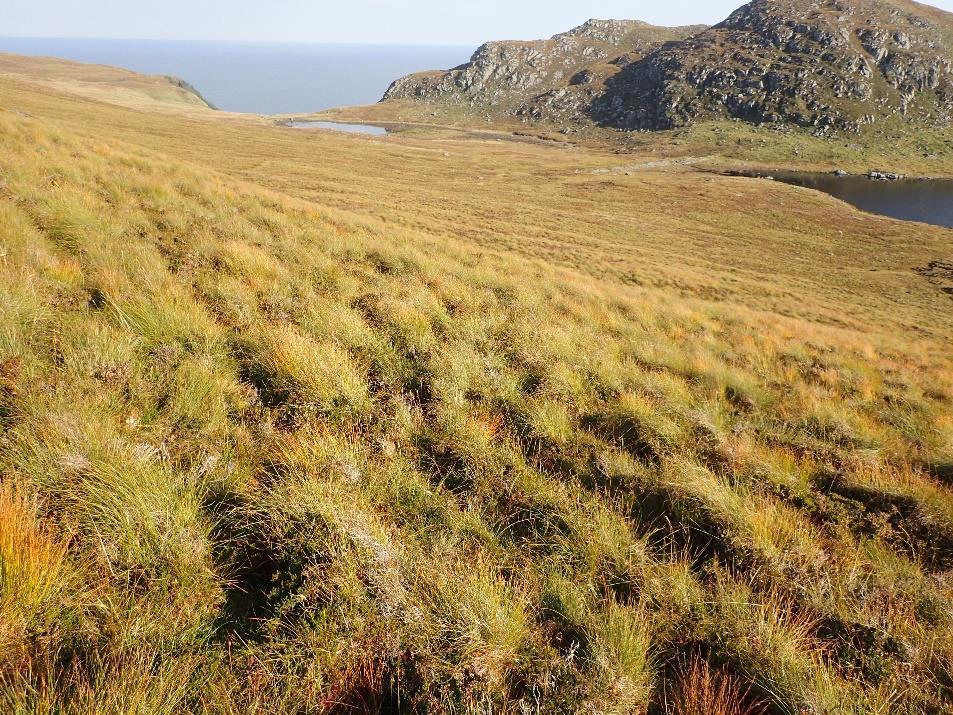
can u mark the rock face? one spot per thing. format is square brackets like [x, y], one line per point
[829, 65]
[826, 64]
[502, 76]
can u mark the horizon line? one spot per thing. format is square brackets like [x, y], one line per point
[239, 41]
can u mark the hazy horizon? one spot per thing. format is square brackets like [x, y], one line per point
[199, 40]
[257, 77]
[360, 22]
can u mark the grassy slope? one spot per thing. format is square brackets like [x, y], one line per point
[762, 245]
[316, 423]
[104, 83]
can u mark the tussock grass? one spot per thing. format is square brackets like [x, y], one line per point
[259, 454]
[623, 653]
[703, 690]
[757, 244]
[34, 575]
[305, 374]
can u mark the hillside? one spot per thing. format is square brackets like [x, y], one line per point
[294, 422]
[503, 76]
[108, 84]
[830, 66]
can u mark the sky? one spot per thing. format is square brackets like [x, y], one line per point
[425, 22]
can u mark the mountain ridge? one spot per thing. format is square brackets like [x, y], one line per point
[842, 65]
[511, 72]
[824, 65]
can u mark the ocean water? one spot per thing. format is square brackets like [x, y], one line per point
[267, 78]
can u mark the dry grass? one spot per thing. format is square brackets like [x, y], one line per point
[641, 223]
[321, 424]
[703, 690]
[104, 84]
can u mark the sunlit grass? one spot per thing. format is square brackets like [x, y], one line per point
[34, 575]
[259, 454]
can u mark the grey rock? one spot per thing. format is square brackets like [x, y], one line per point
[519, 75]
[828, 66]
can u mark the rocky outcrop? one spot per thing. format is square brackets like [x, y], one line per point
[828, 65]
[504, 75]
[190, 89]
[825, 64]
[940, 274]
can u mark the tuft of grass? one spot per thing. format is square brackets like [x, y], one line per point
[136, 684]
[479, 622]
[623, 656]
[703, 690]
[34, 575]
[313, 375]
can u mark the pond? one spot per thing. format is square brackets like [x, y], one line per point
[924, 200]
[342, 127]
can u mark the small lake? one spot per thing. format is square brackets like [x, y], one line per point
[341, 127]
[924, 200]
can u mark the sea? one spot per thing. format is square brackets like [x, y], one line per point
[265, 78]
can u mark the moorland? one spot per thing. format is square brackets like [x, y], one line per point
[468, 418]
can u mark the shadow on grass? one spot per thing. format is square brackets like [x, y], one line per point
[625, 432]
[898, 519]
[251, 569]
[943, 472]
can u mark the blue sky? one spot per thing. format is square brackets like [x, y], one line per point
[465, 22]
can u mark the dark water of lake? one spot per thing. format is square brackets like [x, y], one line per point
[266, 78]
[924, 200]
[342, 127]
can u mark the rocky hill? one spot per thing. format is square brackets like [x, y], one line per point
[823, 64]
[507, 75]
[827, 64]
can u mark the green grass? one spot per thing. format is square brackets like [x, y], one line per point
[263, 454]
[713, 143]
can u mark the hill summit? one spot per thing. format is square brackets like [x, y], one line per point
[510, 75]
[822, 64]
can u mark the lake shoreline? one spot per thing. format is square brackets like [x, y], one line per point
[917, 199]
[774, 172]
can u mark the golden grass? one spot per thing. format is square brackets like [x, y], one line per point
[104, 84]
[33, 574]
[762, 245]
[327, 425]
